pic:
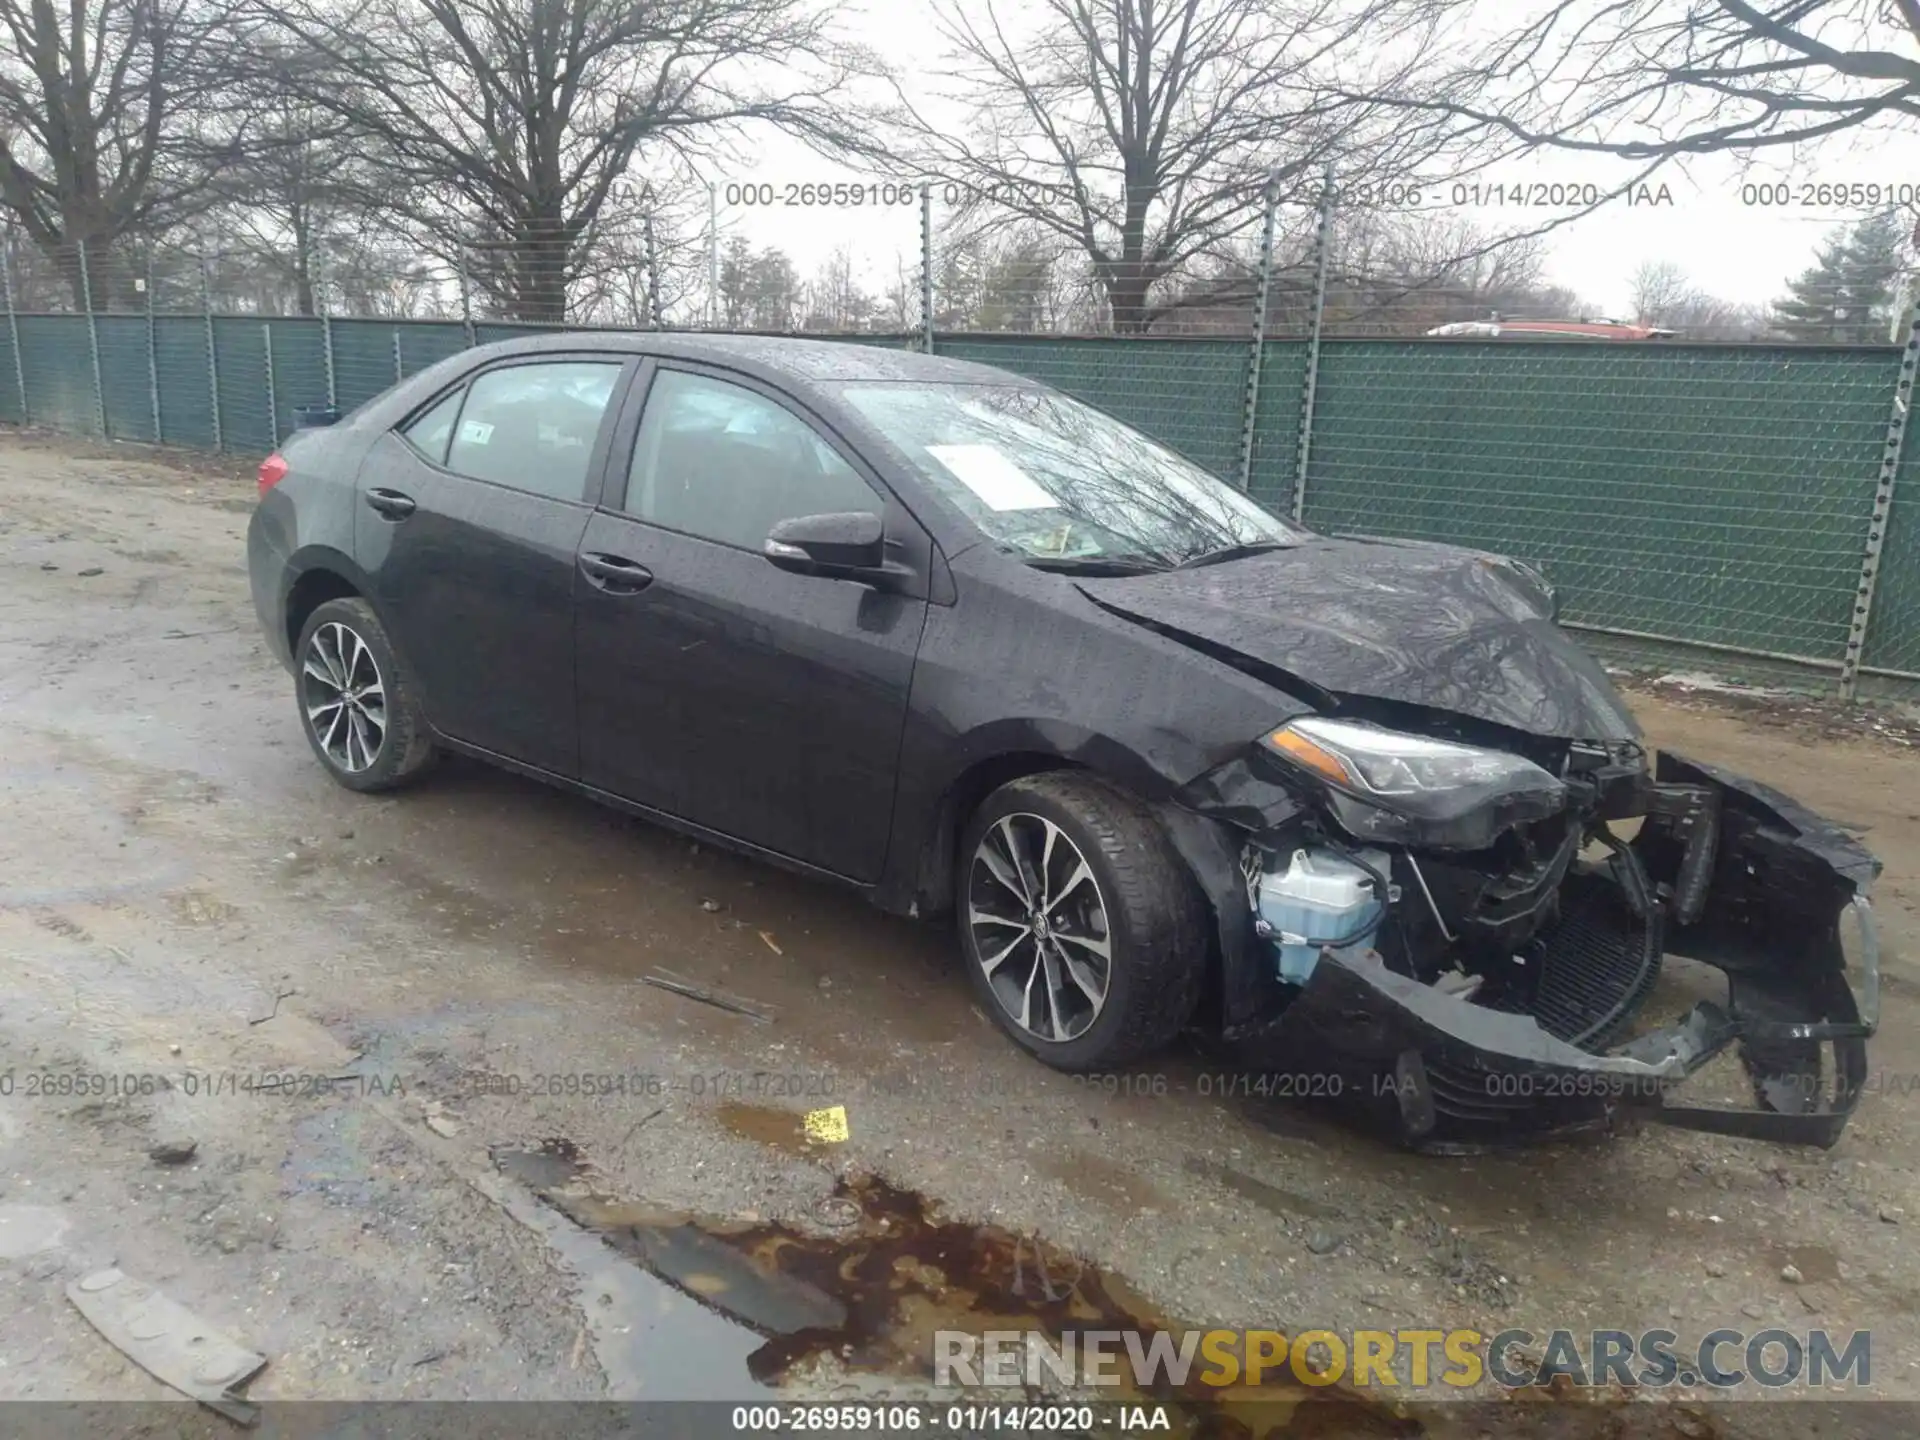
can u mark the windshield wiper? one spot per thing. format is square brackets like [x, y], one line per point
[1233, 552]
[1097, 564]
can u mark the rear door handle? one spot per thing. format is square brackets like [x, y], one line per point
[390, 503]
[615, 574]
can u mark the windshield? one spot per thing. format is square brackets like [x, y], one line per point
[1060, 481]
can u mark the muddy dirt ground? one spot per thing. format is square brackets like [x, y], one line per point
[188, 908]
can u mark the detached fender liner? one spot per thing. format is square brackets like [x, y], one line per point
[1782, 881]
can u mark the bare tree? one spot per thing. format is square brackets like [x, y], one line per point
[511, 121]
[100, 126]
[1651, 79]
[1143, 132]
[299, 195]
[1663, 294]
[1403, 274]
[1659, 290]
[1387, 274]
[835, 298]
[900, 301]
[644, 259]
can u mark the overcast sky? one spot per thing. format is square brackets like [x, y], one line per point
[1707, 223]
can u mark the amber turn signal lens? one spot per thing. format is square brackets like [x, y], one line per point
[1322, 762]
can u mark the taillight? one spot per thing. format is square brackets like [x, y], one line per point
[272, 471]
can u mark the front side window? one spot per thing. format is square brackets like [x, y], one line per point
[719, 461]
[1060, 481]
[532, 427]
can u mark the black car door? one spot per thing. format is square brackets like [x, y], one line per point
[472, 517]
[760, 704]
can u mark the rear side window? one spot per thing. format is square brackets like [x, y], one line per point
[429, 432]
[532, 427]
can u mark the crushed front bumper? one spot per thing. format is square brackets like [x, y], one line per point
[1744, 879]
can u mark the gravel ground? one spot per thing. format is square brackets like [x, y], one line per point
[186, 902]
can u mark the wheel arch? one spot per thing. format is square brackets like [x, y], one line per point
[939, 847]
[317, 575]
[993, 756]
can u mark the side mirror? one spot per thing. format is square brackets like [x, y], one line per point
[841, 547]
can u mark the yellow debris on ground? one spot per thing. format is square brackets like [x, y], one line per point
[828, 1126]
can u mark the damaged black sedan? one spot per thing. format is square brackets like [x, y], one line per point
[1166, 759]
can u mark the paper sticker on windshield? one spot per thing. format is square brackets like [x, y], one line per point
[475, 432]
[989, 474]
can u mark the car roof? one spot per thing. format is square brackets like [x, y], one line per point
[774, 357]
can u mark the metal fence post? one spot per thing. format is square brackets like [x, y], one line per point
[926, 268]
[399, 371]
[326, 330]
[273, 396]
[13, 326]
[466, 303]
[153, 356]
[213, 354]
[1251, 405]
[93, 339]
[655, 319]
[1882, 508]
[1322, 250]
[713, 257]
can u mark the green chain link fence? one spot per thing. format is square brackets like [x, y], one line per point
[1715, 496]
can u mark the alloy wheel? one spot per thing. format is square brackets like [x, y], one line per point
[1039, 927]
[344, 697]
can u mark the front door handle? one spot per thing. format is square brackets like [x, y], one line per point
[615, 574]
[390, 503]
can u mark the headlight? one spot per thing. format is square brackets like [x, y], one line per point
[1389, 785]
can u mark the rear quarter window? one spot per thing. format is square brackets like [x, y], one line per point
[430, 431]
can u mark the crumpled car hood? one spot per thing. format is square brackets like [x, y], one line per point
[1403, 621]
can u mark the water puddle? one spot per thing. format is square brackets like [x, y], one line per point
[874, 1283]
[767, 1125]
[653, 1340]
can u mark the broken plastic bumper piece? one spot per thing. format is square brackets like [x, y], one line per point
[1742, 878]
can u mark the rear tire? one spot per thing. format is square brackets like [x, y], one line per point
[1081, 929]
[358, 707]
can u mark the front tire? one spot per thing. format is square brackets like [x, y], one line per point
[357, 706]
[1081, 930]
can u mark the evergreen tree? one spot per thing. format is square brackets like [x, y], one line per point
[736, 283]
[759, 289]
[1847, 296]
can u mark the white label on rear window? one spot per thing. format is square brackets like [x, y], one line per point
[989, 474]
[475, 432]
